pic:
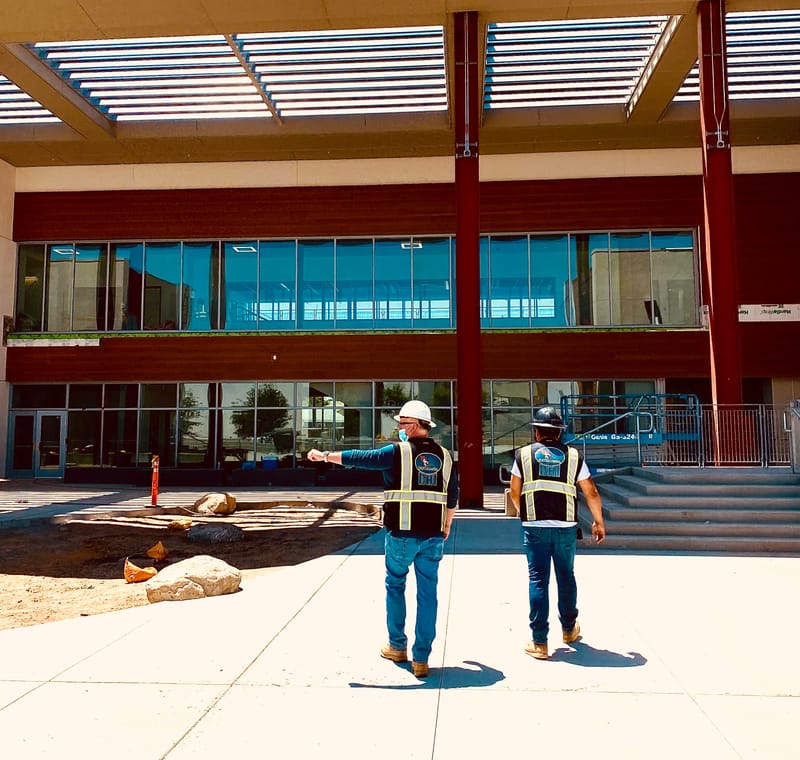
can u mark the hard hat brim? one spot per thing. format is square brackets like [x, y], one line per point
[430, 422]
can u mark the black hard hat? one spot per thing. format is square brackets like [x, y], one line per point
[548, 417]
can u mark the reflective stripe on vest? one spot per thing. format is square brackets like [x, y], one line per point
[531, 486]
[407, 494]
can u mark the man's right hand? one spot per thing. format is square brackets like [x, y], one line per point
[314, 455]
[598, 531]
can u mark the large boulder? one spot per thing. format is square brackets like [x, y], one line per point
[193, 578]
[216, 533]
[215, 504]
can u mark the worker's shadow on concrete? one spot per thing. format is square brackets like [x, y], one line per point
[444, 678]
[588, 657]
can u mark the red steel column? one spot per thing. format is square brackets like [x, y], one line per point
[720, 258]
[468, 263]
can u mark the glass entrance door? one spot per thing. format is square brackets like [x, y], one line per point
[37, 446]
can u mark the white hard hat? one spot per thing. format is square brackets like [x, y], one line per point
[419, 410]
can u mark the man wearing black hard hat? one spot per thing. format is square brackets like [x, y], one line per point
[543, 489]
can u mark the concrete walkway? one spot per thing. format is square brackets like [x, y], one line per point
[682, 657]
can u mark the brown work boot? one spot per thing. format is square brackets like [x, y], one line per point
[388, 652]
[420, 669]
[538, 651]
[569, 636]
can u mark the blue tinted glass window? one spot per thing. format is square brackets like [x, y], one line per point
[240, 278]
[431, 289]
[674, 285]
[550, 281]
[126, 267]
[200, 276]
[485, 301]
[277, 296]
[509, 290]
[162, 286]
[315, 273]
[354, 295]
[393, 283]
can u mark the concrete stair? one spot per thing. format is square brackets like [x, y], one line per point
[735, 510]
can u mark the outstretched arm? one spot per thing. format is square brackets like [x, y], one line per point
[595, 504]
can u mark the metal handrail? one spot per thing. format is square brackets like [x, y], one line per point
[636, 414]
[792, 410]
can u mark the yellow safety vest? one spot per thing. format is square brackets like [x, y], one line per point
[532, 485]
[411, 495]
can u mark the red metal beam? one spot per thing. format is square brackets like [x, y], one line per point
[720, 254]
[468, 268]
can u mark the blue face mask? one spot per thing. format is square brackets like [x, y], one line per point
[402, 435]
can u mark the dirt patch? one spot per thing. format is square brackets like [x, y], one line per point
[51, 572]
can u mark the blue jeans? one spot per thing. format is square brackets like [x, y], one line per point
[543, 545]
[425, 554]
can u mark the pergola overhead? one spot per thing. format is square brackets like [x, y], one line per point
[91, 82]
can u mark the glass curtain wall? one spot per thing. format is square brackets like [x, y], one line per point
[266, 424]
[602, 279]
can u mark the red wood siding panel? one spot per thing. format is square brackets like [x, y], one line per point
[767, 237]
[770, 349]
[235, 213]
[571, 355]
[592, 204]
[172, 359]
[363, 357]
[559, 205]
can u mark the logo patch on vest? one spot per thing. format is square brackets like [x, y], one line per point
[549, 461]
[428, 467]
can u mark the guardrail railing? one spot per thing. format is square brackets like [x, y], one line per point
[670, 430]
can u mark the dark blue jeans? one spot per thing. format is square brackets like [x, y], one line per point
[543, 546]
[425, 554]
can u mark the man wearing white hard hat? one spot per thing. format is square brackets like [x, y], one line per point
[420, 499]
